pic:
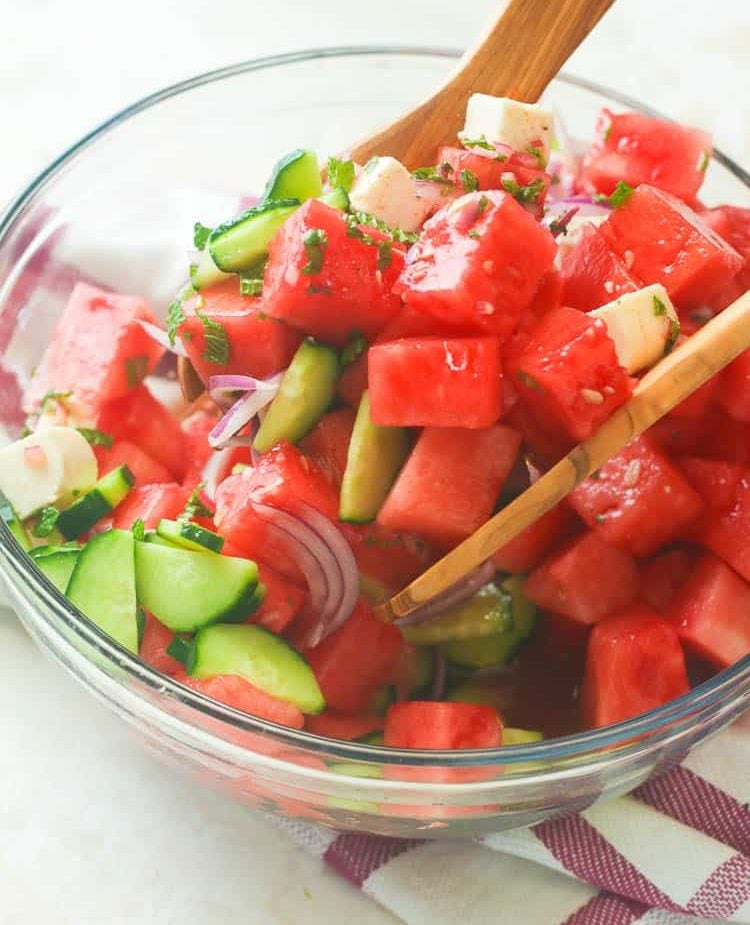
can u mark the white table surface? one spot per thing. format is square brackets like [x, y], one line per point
[94, 831]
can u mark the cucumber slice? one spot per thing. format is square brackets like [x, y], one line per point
[260, 657]
[336, 198]
[13, 523]
[58, 565]
[487, 613]
[307, 389]
[102, 585]
[520, 736]
[205, 273]
[241, 243]
[187, 590]
[502, 647]
[382, 699]
[99, 501]
[189, 536]
[375, 456]
[295, 176]
[372, 738]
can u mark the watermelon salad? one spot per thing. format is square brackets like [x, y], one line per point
[388, 358]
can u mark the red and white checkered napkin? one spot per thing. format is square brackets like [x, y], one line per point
[675, 852]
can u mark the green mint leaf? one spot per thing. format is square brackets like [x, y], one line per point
[136, 369]
[138, 529]
[538, 153]
[175, 318]
[674, 333]
[217, 342]
[95, 437]
[483, 204]
[315, 242]
[251, 286]
[480, 142]
[385, 254]
[46, 523]
[659, 308]
[52, 398]
[526, 195]
[354, 349]
[434, 174]
[473, 233]
[620, 195]
[469, 180]
[340, 174]
[703, 162]
[529, 381]
[194, 507]
[200, 236]
[364, 218]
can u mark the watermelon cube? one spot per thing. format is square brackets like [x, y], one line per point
[258, 345]
[585, 580]
[154, 644]
[661, 240]
[327, 444]
[412, 323]
[101, 325]
[344, 725]
[663, 576]
[638, 500]
[351, 290]
[449, 484]
[478, 264]
[712, 613]
[124, 453]
[525, 552]
[388, 560]
[733, 389]
[636, 148]
[634, 663]
[591, 274]
[196, 428]
[355, 660]
[725, 528]
[733, 224]
[434, 725]
[436, 382]
[352, 382]
[242, 695]
[151, 503]
[567, 376]
[282, 602]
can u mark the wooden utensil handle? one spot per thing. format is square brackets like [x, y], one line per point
[522, 50]
[666, 385]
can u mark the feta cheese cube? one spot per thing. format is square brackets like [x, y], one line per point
[500, 119]
[642, 324]
[385, 188]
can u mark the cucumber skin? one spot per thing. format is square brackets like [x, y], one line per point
[58, 567]
[97, 503]
[284, 183]
[221, 238]
[189, 536]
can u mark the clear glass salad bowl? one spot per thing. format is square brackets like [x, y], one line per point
[118, 208]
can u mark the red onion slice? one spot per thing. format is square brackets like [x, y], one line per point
[162, 338]
[244, 410]
[461, 591]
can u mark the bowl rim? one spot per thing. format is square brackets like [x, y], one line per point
[629, 736]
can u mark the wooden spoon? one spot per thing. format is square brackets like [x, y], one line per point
[523, 49]
[666, 385]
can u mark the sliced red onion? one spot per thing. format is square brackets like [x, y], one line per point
[347, 564]
[441, 673]
[162, 338]
[243, 410]
[223, 389]
[461, 591]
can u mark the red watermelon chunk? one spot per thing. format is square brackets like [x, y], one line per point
[354, 661]
[636, 148]
[733, 388]
[124, 453]
[567, 376]
[638, 500]
[591, 274]
[586, 580]
[450, 483]
[352, 289]
[634, 663]
[526, 551]
[436, 382]
[478, 264]
[353, 381]
[433, 725]
[196, 429]
[98, 352]
[282, 601]
[327, 444]
[258, 345]
[242, 695]
[712, 613]
[389, 559]
[141, 419]
[661, 240]
[664, 575]
[343, 725]
[412, 323]
[153, 649]
[151, 503]
[733, 224]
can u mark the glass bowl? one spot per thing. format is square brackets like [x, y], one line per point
[118, 208]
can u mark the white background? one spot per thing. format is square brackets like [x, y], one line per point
[92, 830]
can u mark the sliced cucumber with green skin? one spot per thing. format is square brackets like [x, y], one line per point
[260, 657]
[488, 613]
[336, 198]
[58, 565]
[189, 536]
[102, 585]
[98, 502]
[307, 389]
[295, 176]
[500, 648]
[13, 523]
[188, 590]
[372, 738]
[205, 273]
[239, 244]
[520, 736]
[375, 456]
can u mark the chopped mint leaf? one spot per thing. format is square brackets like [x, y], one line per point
[473, 233]
[200, 236]
[482, 204]
[175, 318]
[140, 623]
[674, 333]
[135, 371]
[251, 286]
[529, 381]
[138, 529]
[659, 308]
[385, 254]
[354, 349]
[319, 290]
[538, 153]
[194, 507]
[620, 195]
[433, 174]
[469, 180]
[703, 162]
[524, 194]
[480, 142]
[315, 242]
[46, 523]
[340, 174]
[364, 218]
[95, 437]
[52, 398]
[217, 342]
